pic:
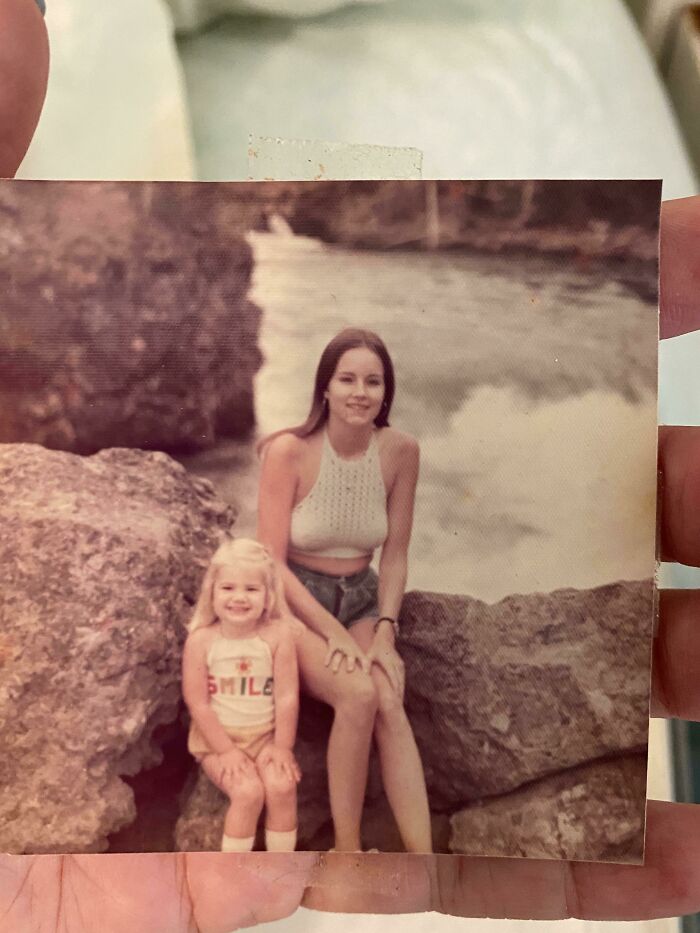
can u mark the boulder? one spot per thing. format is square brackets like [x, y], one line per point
[592, 812]
[126, 321]
[500, 695]
[100, 563]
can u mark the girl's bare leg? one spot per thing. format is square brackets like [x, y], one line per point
[246, 794]
[280, 800]
[354, 700]
[402, 769]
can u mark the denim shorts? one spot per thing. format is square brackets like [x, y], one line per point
[349, 598]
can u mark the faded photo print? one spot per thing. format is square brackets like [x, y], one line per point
[328, 516]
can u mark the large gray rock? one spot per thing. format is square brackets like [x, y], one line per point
[499, 696]
[503, 694]
[125, 318]
[100, 564]
[592, 812]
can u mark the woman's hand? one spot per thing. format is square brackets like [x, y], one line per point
[282, 759]
[343, 647]
[383, 653]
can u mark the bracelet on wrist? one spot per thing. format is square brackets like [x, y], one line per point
[394, 624]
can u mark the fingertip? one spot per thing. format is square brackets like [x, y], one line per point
[680, 227]
[24, 65]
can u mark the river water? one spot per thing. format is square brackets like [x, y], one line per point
[530, 383]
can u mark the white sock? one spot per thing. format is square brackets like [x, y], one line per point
[235, 844]
[280, 842]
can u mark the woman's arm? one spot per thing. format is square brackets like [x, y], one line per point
[286, 689]
[393, 563]
[195, 690]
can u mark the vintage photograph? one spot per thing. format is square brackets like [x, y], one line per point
[329, 516]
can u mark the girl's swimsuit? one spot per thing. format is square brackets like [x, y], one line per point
[348, 598]
[240, 693]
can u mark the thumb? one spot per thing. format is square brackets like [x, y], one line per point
[24, 66]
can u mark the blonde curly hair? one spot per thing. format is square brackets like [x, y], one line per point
[231, 552]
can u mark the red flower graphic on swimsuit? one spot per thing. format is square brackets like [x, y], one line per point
[244, 665]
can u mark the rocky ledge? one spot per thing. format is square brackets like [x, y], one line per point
[100, 563]
[531, 716]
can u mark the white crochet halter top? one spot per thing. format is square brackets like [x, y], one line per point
[344, 513]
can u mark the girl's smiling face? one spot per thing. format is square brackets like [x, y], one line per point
[239, 596]
[356, 390]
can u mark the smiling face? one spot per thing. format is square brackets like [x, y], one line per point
[239, 596]
[356, 390]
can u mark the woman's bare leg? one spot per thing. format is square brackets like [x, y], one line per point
[354, 700]
[402, 769]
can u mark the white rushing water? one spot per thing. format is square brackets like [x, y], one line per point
[529, 382]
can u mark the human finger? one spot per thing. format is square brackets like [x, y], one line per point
[676, 661]
[82, 893]
[350, 663]
[390, 671]
[289, 772]
[667, 885]
[679, 293]
[679, 492]
[24, 65]
[241, 769]
[394, 679]
[229, 891]
[363, 661]
[337, 660]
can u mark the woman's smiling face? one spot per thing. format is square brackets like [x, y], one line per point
[356, 390]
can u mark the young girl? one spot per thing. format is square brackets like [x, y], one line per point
[240, 684]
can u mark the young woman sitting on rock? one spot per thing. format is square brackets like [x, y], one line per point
[240, 683]
[332, 491]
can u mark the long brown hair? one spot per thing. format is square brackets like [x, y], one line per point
[348, 339]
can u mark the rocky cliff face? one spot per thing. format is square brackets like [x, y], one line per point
[100, 564]
[617, 220]
[124, 318]
[531, 716]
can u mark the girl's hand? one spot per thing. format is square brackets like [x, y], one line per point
[343, 647]
[383, 653]
[282, 759]
[234, 764]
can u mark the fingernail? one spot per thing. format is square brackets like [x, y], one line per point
[42, 6]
